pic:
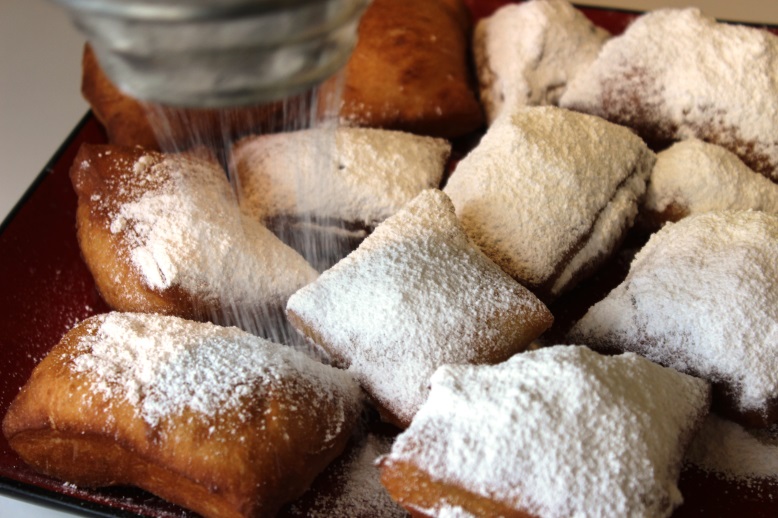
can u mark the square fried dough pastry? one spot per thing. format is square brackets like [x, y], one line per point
[163, 233]
[415, 295]
[675, 74]
[409, 70]
[357, 175]
[702, 297]
[213, 419]
[693, 176]
[557, 432]
[525, 54]
[315, 187]
[548, 194]
[131, 122]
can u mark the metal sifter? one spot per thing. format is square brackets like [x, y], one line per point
[217, 53]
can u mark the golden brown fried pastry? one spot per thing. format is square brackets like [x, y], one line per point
[130, 122]
[163, 233]
[409, 70]
[676, 74]
[548, 194]
[213, 419]
[415, 295]
[557, 432]
[702, 297]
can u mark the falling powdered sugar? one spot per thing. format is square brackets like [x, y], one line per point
[163, 365]
[359, 175]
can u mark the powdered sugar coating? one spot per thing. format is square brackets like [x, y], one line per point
[183, 228]
[680, 74]
[695, 176]
[701, 297]
[353, 174]
[163, 365]
[545, 184]
[415, 295]
[558, 432]
[526, 53]
[731, 451]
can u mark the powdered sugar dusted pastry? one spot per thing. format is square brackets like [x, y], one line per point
[525, 54]
[357, 175]
[693, 176]
[676, 74]
[557, 432]
[210, 418]
[163, 233]
[415, 295]
[549, 193]
[409, 70]
[702, 297]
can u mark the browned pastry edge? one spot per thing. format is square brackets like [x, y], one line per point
[103, 251]
[410, 70]
[415, 490]
[652, 220]
[237, 463]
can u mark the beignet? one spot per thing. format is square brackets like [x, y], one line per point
[557, 432]
[548, 194]
[342, 182]
[693, 176]
[525, 54]
[415, 295]
[409, 70]
[213, 419]
[702, 297]
[163, 233]
[675, 74]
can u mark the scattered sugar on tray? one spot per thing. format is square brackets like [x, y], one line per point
[703, 291]
[186, 229]
[163, 365]
[526, 53]
[705, 177]
[560, 431]
[731, 451]
[357, 489]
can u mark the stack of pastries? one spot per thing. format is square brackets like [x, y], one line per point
[364, 319]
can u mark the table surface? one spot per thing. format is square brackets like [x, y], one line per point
[40, 101]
